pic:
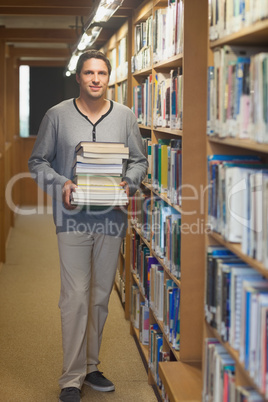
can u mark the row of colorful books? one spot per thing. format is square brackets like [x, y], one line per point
[160, 35]
[168, 31]
[97, 172]
[122, 89]
[142, 45]
[219, 380]
[163, 296]
[141, 60]
[167, 92]
[229, 16]
[165, 222]
[166, 235]
[236, 304]
[157, 352]
[142, 102]
[237, 94]
[166, 168]
[164, 300]
[168, 99]
[112, 58]
[139, 315]
[122, 68]
[143, 34]
[147, 147]
[141, 212]
[237, 202]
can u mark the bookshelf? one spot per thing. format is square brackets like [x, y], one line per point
[251, 33]
[118, 50]
[191, 60]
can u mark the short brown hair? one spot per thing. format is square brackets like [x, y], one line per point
[92, 54]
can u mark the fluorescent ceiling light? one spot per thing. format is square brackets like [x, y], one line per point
[89, 37]
[73, 61]
[106, 9]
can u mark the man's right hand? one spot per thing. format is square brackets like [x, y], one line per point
[67, 189]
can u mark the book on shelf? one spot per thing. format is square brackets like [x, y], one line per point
[168, 31]
[237, 201]
[160, 164]
[166, 239]
[161, 101]
[248, 393]
[135, 306]
[142, 45]
[144, 323]
[237, 95]
[171, 318]
[142, 101]
[148, 263]
[147, 146]
[219, 372]
[122, 93]
[167, 91]
[214, 255]
[122, 69]
[112, 58]
[238, 275]
[156, 289]
[176, 98]
[229, 16]
[251, 295]
[216, 178]
[236, 305]
[144, 269]
[154, 330]
[219, 380]
[155, 350]
[175, 171]
[143, 251]
[111, 92]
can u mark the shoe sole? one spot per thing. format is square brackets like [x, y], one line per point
[61, 400]
[99, 388]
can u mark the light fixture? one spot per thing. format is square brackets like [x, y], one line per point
[72, 63]
[106, 9]
[103, 10]
[89, 37]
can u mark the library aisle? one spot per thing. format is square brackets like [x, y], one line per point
[30, 336]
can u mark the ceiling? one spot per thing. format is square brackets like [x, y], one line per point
[47, 30]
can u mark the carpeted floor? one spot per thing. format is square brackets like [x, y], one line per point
[30, 336]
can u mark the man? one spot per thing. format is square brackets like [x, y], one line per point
[88, 241]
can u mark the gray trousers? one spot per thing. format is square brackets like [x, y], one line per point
[88, 263]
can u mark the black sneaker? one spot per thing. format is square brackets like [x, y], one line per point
[70, 394]
[98, 382]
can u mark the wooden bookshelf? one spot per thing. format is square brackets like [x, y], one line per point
[193, 60]
[111, 49]
[256, 34]
[182, 381]
[253, 36]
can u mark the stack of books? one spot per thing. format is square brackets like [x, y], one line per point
[97, 171]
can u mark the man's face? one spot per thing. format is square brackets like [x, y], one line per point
[94, 78]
